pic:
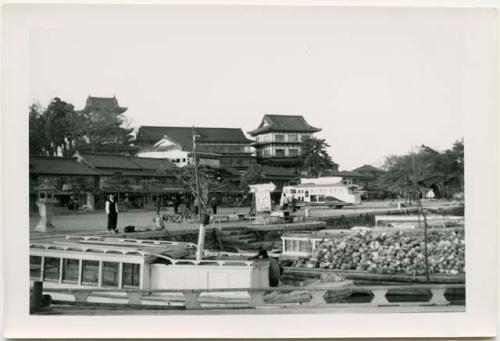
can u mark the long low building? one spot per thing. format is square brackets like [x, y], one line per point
[83, 181]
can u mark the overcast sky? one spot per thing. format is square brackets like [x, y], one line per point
[377, 81]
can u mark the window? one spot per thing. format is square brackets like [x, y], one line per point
[71, 268]
[279, 138]
[266, 152]
[293, 152]
[293, 138]
[178, 160]
[280, 152]
[90, 272]
[51, 269]
[35, 267]
[131, 275]
[184, 160]
[110, 272]
[293, 191]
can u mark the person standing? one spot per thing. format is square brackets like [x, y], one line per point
[112, 213]
[177, 203]
[285, 202]
[214, 205]
[196, 205]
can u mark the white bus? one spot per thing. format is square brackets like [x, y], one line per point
[318, 192]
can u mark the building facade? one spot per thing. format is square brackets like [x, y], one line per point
[215, 147]
[278, 139]
[74, 182]
[84, 181]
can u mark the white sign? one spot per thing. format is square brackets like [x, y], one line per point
[262, 201]
[270, 187]
[325, 180]
[262, 196]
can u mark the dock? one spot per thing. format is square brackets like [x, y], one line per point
[175, 230]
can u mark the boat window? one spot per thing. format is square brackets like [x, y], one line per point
[35, 267]
[90, 272]
[51, 269]
[131, 275]
[71, 268]
[304, 246]
[110, 272]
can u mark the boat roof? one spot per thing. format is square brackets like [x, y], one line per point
[315, 185]
[117, 246]
[127, 247]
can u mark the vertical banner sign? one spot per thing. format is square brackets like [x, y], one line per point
[262, 201]
[262, 196]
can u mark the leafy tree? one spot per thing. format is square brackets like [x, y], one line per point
[107, 128]
[37, 136]
[58, 128]
[314, 159]
[210, 181]
[253, 175]
[427, 168]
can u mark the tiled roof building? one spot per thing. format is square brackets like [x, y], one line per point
[88, 177]
[216, 147]
[283, 123]
[148, 135]
[59, 166]
[278, 139]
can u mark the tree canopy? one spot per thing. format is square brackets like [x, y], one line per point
[411, 174]
[56, 128]
[253, 175]
[210, 181]
[314, 159]
[60, 129]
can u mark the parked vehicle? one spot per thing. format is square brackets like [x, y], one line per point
[327, 191]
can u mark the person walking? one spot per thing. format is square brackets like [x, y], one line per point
[112, 213]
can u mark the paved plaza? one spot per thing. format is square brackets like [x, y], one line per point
[94, 222]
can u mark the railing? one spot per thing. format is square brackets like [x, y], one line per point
[128, 241]
[195, 299]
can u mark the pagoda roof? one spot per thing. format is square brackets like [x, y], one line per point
[283, 123]
[103, 103]
[184, 135]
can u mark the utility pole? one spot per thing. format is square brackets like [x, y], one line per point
[419, 204]
[196, 175]
[201, 233]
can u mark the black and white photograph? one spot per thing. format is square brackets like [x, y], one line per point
[254, 162]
